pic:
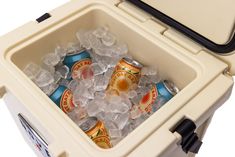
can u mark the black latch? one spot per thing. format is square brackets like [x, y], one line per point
[43, 17]
[190, 140]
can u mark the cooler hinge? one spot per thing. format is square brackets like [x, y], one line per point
[190, 140]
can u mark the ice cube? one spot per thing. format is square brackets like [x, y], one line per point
[148, 71]
[51, 59]
[78, 97]
[73, 47]
[109, 73]
[83, 38]
[100, 95]
[44, 78]
[88, 93]
[93, 108]
[110, 116]
[94, 41]
[63, 71]
[115, 133]
[132, 94]
[101, 116]
[139, 120]
[32, 70]
[135, 112]
[118, 107]
[122, 120]
[100, 32]
[77, 114]
[97, 68]
[127, 129]
[115, 141]
[100, 83]
[110, 125]
[64, 82]
[48, 90]
[61, 52]
[73, 85]
[108, 39]
[120, 49]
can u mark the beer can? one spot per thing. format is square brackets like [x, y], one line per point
[160, 94]
[63, 98]
[96, 130]
[78, 61]
[126, 74]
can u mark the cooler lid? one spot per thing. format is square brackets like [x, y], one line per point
[211, 23]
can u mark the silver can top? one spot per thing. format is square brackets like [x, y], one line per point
[171, 87]
[133, 62]
[88, 123]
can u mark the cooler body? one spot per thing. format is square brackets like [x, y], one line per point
[203, 79]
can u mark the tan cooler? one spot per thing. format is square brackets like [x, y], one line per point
[190, 42]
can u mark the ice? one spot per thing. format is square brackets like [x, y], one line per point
[73, 48]
[51, 59]
[135, 112]
[110, 116]
[101, 116]
[48, 90]
[148, 71]
[32, 70]
[73, 85]
[94, 42]
[118, 107]
[100, 83]
[127, 129]
[100, 95]
[158, 104]
[108, 39]
[139, 120]
[83, 38]
[122, 120]
[142, 91]
[110, 125]
[78, 114]
[115, 141]
[115, 133]
[93, 108]
[59, 51]
[78, 98]
[97, 68]
[63, 71]
[64, 82]
[144, 81]
[109, 73]
[132, 94]
[100, 32]
[44, 78]
[49, 68]
[120, 49]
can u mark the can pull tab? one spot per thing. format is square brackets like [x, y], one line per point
[190, 140]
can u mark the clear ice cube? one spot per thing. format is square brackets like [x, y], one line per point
[61, 52]
[122, 120]
[93, 108]
[78, 114]
[100, 32]
[32, 70]
[100, 83]
[44, 78]
[148, 71]
[63, 71]
[108, 39]
[83, 38]
[135, 112]
[115, 133]
[51, 59]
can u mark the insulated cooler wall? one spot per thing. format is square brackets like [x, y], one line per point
[192, 73]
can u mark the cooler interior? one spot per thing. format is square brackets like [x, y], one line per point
[148, 52]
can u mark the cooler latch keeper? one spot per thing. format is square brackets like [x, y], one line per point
[43, 17]
[190, 140]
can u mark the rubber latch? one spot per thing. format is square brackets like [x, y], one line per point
[190, 140]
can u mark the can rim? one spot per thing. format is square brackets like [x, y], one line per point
[133, 62]
[88, 124]
[171, 87]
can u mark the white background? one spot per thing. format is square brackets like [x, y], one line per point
[218, 142]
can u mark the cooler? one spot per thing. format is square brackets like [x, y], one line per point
[190, 42]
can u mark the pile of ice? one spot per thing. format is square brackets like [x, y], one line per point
[120, 114]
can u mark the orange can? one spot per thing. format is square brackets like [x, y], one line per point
[96, 130]
[127, 73]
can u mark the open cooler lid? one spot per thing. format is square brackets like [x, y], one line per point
[211, 23]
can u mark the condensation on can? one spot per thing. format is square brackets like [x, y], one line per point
[77, 62]
[63, 98]
[96, 130]
[127, 73]
[161, 92]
